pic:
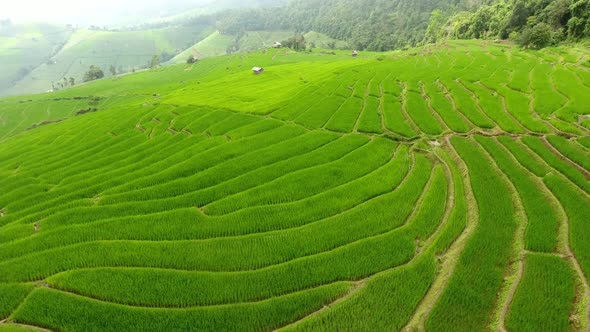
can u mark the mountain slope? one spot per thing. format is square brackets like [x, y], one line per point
[23, 47]
[407, 188]
[248, 41]
[126, 51]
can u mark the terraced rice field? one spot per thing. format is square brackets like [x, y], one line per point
[444, 188]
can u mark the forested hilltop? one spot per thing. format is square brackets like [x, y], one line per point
[380, 25]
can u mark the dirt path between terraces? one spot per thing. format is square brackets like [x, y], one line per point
[453, 254]
[516, 267]
[355, 289]
[566, 159]
[564, 248]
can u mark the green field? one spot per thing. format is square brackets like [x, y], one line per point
[442, 188]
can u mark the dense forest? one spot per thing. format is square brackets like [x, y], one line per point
[532, 23]
[385, 24]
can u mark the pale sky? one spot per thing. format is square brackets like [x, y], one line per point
[97, 12]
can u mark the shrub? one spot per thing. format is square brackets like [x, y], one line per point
[191, 59]
[537, 37]
[94, 73]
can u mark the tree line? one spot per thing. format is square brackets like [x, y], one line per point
[380, 25]
[531, 23]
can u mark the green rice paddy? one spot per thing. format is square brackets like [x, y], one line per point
[444, 188]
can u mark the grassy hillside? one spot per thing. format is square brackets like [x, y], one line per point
[37, 57]
[218, 44]
[444, 188]
[23, 47]
[124, 50]
[215, 44]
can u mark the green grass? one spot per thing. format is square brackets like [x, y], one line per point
[409, 191]
[546, 100]
[213, 45]
[386, 302]
[525, 157]
[321, 40]
[370, 119]
[577, 208]
[392, 110]
[571, 151]
[493, 107]
[559, 165]
[585, 142]
[12, 296]
[478, 278]
[543, 222]
[578, 94]
[517, 104]
[417, 109]
[457, 219]
[444, 108]
[53, 309]
[544, 297]
[320, 195]
[346, 117]
[466, 104]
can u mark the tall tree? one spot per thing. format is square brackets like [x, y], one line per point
[519, 16]
[579, 24]
[155, 61]
[93, 73]
[435, 27]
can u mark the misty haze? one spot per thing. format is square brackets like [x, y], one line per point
[295, 165]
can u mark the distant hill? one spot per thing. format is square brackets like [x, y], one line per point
[231, 26]
[126, 51]
[37, 57]
[381, 25]
[219, 44]
[23, 47]
[214, 44]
